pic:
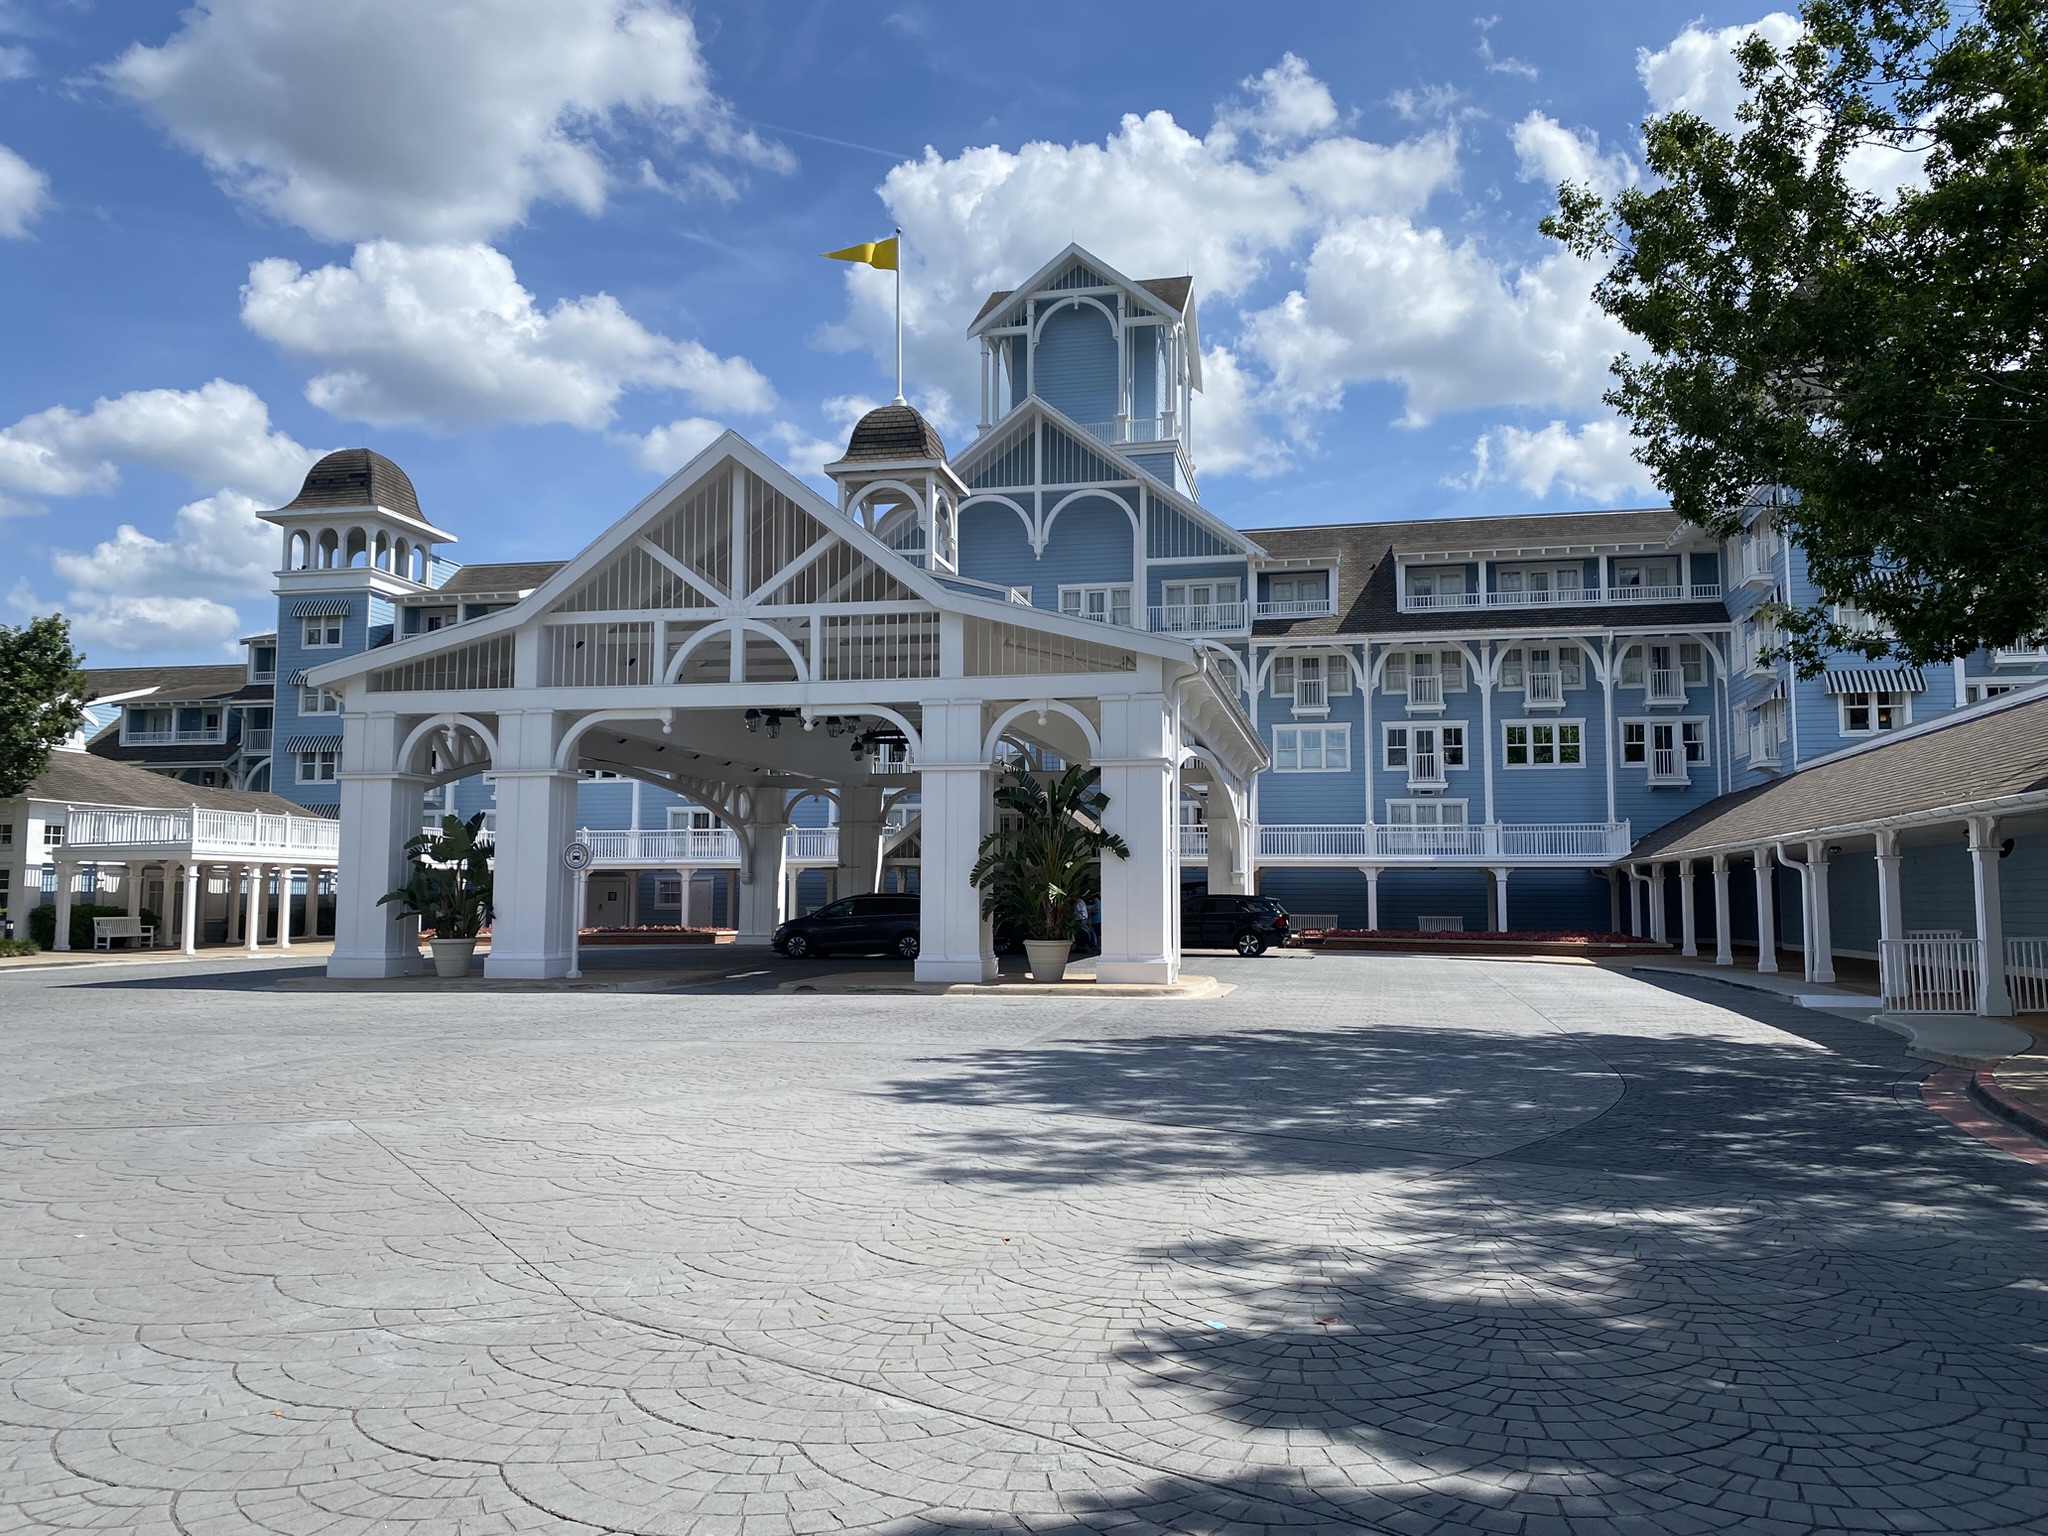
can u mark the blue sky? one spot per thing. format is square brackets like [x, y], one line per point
[539, 251]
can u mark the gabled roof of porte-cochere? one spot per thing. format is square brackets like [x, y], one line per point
[1366, 591]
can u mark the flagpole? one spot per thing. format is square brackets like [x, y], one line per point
[899, 314]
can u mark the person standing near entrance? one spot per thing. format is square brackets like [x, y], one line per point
[1084, 930]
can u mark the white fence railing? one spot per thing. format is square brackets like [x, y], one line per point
[1567, 843]
[1543, 689]
[204, 834]
[1425, 691]
[1667, 766]
[1667, 686]
[1301, 608]
[1132, 429]
[1198, 618]
[1764, 745]
[1930, 975]
[1559, 597]
[688, 847]
[1194, 842]
[207, 736]
[2026, 974]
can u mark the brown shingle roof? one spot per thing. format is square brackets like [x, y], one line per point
[357, 477]
[202, 682]
[1964, 760]
[895, 432]
[80, 778]
[499, 578]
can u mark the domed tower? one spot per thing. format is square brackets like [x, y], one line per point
[895, 482]
[358, 511]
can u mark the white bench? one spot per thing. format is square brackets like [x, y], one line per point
[107, 929]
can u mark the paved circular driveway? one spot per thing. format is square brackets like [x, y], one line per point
[1374, 1243]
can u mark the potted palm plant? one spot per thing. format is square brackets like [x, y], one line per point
[448, 890]
[1033, 871]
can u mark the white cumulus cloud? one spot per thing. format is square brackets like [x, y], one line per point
[1551, 153]
[1697, 72]
[442, 121]
[446, 337]
[24, 194]
[1593, 462]
[667, 449]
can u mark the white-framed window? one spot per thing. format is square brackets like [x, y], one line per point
[1336, 675]
[1104, 604]
[1402, 747]
[322, 634]
[1542, 584]
[317, 767]
[262, 663]
[1394, 748]
[1867, 714]
[668, 891]
[1197, 600]
[1543, 743]
[1857, 622]
[53, 835]
[1692, 661]
[1661, 572]
[1427, 813]
[318, 701]
[1302, 589]
[1309, 692]
[1400, 665]
[1567, 661]
[6, 834]
[1684, 740]
[1283, 677]
[1311, 748]
[690, 818]
[1632, 667]
[1454, 745]
[1436, 582]
[1977, 693]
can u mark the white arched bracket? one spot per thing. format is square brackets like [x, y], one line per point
[1040, 708]
[1045, 528]
[445, 726]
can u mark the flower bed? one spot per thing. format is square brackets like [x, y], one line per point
[654, 934]
[1543, 942]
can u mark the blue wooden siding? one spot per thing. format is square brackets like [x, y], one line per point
[1074, 367]
[1172, 533]
[995, 546]
[1092, 540]
[1557, 901]
[1147, 362]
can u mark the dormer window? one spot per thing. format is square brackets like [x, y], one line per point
[1299, 595]
[1432, 584]
[262, 663]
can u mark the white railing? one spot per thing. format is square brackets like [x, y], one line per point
[1543, 690]
[1426, 771]
[206, 834]
[1764, 744]
[205, 736]
[2026, 974]
[812, 845]
[1569, 843]
[1559, 597]
[1750, 646]
[1667, 766]
[1667, 685]
[1311, 696]
[2018, 656]
[1755, 562]
[1132, 429]
[684, 847]
[1425, 691]
[256, 739]
[1930, 975]
[1300, 608]
[1194, 841]
[1198, 618]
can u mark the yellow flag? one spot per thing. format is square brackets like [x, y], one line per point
[876, 253]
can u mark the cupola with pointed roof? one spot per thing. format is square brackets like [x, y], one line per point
[357, 510]
[894, 480]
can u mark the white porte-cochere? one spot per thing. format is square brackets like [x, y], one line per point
[740, 640]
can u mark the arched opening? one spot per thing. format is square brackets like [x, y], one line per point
[329, 555]
[382, 561]
[300, 552]
[358, 554]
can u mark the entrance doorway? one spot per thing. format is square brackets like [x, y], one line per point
[606, 907]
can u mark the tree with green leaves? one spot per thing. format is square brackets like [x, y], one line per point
[43, 695]
[448, 882]
[1882, 358]
[1048, 853]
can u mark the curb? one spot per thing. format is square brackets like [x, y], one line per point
[1985, 1090]
[1187, 989]
[1948, 1093]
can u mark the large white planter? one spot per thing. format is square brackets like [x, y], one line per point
[1048, 958]
[452, 956]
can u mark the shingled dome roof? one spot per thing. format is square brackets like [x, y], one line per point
[895, 432]
[357, 477]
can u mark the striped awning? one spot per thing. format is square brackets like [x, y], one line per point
[313, 744]
[320, 608]
[1877, 680]
[297, 679]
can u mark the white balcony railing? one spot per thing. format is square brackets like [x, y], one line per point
[201, 834]
[256, 739]
[204, 736]
[1543, 690]
[1311, 696]
[1425, 693]
[1132, 429]
[1764, 746]
[1194, 841]
[1299, 608]
[691, 847]
[1199, 618]
[1667, 685]
[1560, 843]
[1667, 766]
[1559, 597]
[2019, 656]
[1930, 974]
[1426, 771]
[812, 845]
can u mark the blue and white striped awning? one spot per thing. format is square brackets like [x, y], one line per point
[313, 744]
[320, 608]
[297, 679]
[1877, 680]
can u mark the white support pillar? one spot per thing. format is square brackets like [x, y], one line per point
[1372, 900]
[131, 888]
[1653, 889]
[764, 867]
[252, 910]
[1688, 918]
[233, 932]
[956, 945]
[1139, 902]
[284, 906]
[67, 877]
[1820, 929]
[1500, 901]
[1993, 999]
[380, 810]
[1635, 902]
[1614, 880]
[1891, 910]
[861, 826]
[188, 927]
[1229, 843]
[1724, 940]
[1766, 916]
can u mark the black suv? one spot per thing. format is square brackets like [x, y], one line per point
[1251, 925]
[860, 924]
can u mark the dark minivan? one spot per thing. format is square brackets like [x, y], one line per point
[854, 924]
[1251, 925]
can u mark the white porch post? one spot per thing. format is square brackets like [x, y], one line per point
[67, 876]
[380, 810]
[1820, 937]
[1229, 868]
[235, 909]
[955, 944]
[1724, 941]
[131, 887]
[1766, 915]
[1372, 900]
[1500, 901]
[764, 872]
[1635, 903]
[1992, 997]
[1688, 918]
[284, 906]
[252, 911]
[1654, 888]
[859, 866]
[1614, 879]
[1138, 897]
[188, 928]
[536, 916]
[1891, 909]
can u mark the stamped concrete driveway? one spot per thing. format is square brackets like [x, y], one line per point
[1374, 1243]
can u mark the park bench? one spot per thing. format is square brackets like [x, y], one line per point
[107, 929]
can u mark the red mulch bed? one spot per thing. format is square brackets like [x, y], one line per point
[1530, 943]
[656, 936]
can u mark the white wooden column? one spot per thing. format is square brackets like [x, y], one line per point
[1500, 901]
[253, 914]
[1229, 838]
[764, 869]
[188, 927]
[1688, 918]
[858, 869]
[1654, 886]
[956, 945]
[1372, 899]
[380, 810]
[1820, 932]
[1724, 941]
[1992, 997]
[233, 932]
[1766, 915]
[284, 906]
[1891, 910]
[1139, 902]
[60, 936]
